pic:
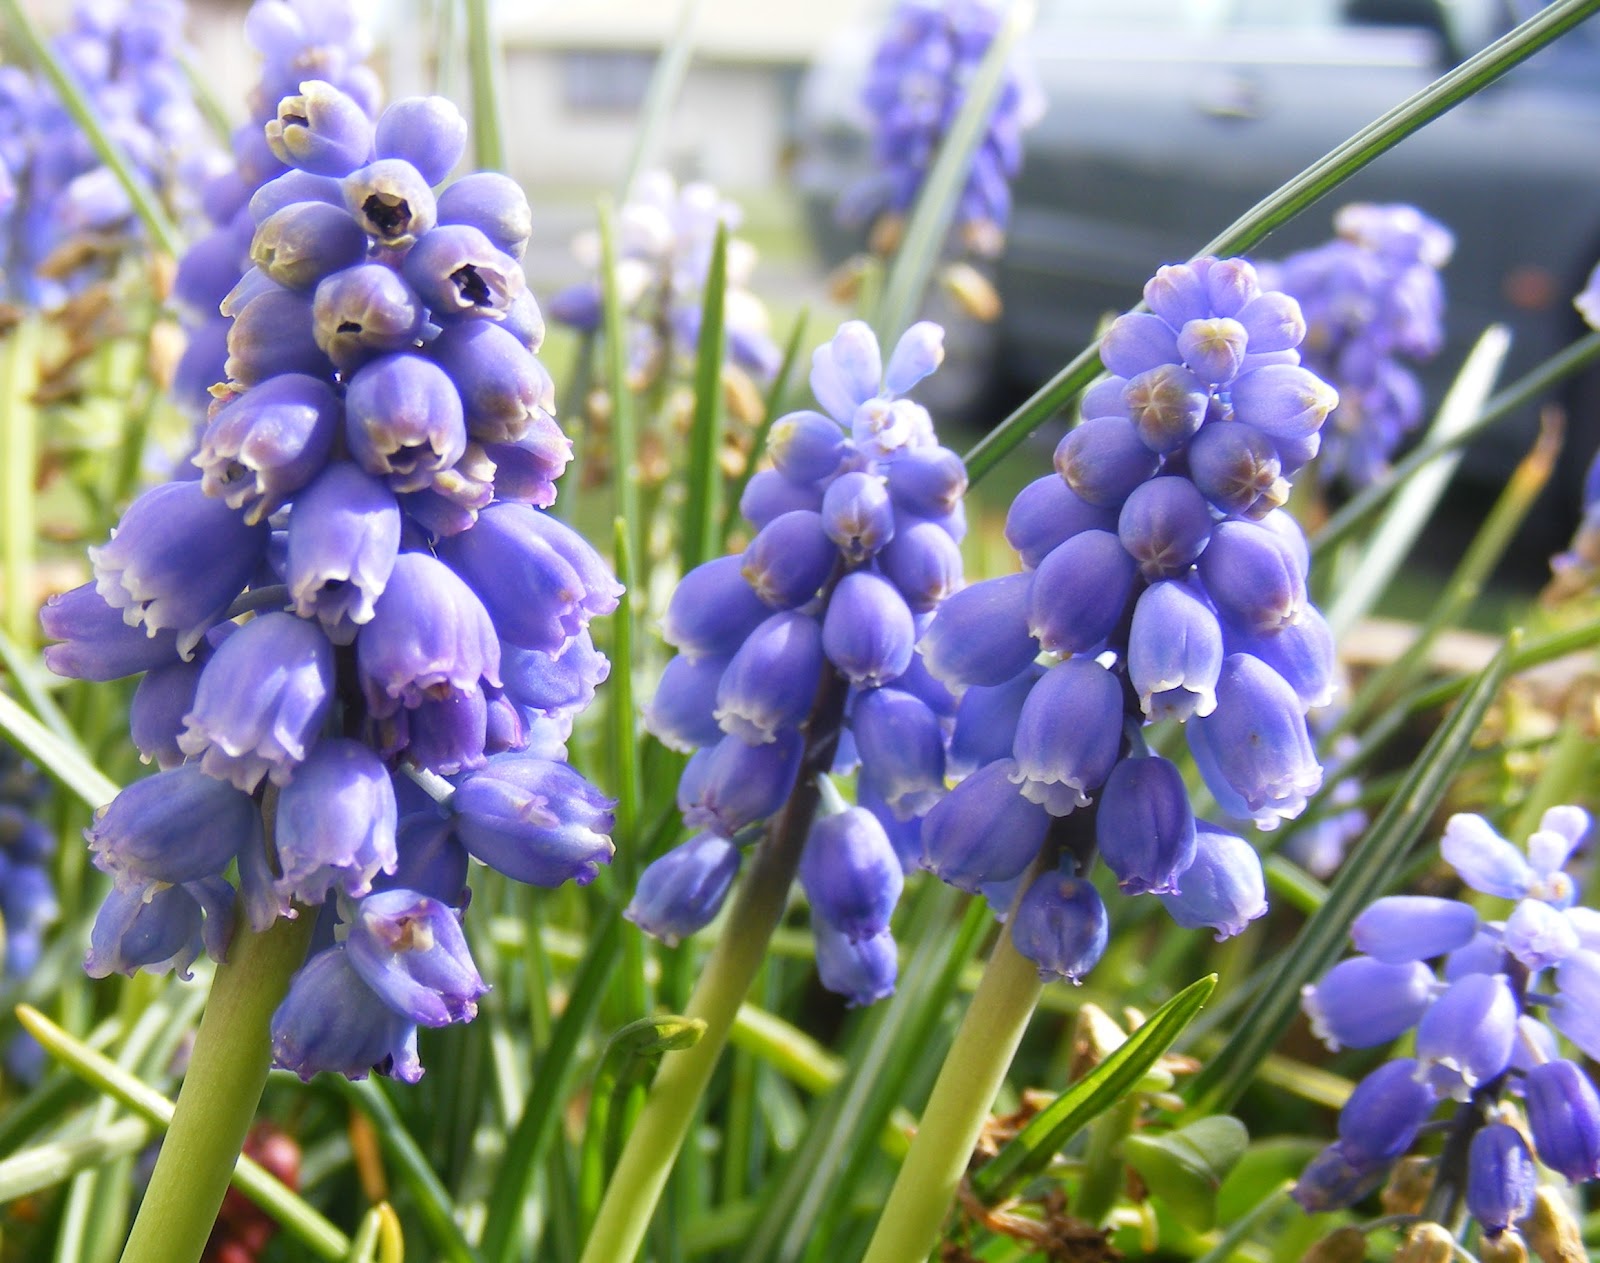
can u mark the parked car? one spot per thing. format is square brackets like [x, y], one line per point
[1167, 119]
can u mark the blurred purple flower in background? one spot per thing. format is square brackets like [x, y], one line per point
[71, 221]
[665, 236]
[915, 87]
[1372, 300]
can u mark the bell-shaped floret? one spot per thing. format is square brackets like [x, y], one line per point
[261, 701]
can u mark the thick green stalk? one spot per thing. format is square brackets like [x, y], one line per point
[1310, 186]
[970, 1078]
[652, 1148]
[220, 1092]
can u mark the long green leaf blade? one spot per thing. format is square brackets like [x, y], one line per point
[666, 82]
[432, 1198]
[488, 89]
[703, 498]
[777, 396]
[251, 1179]
[1527, 389]
[63, 759]
[1394, 538]
[1031, 1149]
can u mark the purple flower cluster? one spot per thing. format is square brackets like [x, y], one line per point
[1370, 297]
[665, 238]
[857, 525]
[28, 905]
[915, 89]
[27, 849]
[299, 40]
[1164, 582]
[371, 486]
[1478, 1035]
[71, 220]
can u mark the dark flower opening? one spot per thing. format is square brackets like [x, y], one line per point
[388, 216]
[472, 285]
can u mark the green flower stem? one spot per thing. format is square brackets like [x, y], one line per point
[1307, 188]
[968, 1081]
[652, 1148]
[220, 1092]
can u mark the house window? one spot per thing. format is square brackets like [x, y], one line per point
[605, 79]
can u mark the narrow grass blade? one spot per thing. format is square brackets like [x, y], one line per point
[1367, 871]
[63, 759]
[666, 82]
[84, 113]
[526, 1144]
[1312, 184]
[19, 439]
[813, 1190]
[776, 400]
[1466, 583]
[1532, 653]
[624, 716]
[807, 1064]
[1395, 536]
[379, 1239]
[433, 1200]
[1048, 1132]
[1240, 1231]
[298, 1218]
[929, 224]
[1526, 390]
[52, 1163]
[26, 676]
[488, 89]
[703, 495]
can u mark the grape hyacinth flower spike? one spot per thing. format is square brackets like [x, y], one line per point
[806, 640]
[265, 210]
[1162, 579]
[795, 664]
[918, 80]
[1486, 1026]
[426, 619]
[1373, 305]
